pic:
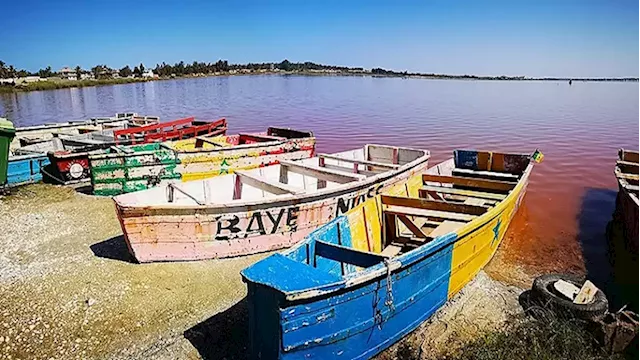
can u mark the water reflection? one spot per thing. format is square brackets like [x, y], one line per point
[579, 128]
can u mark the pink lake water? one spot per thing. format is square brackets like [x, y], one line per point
[571, 196]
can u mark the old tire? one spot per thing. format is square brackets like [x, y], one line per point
[544, 293]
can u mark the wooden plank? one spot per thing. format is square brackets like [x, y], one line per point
[403, 210]
[470, 182]
[627, 155]
[267, 185]
[346, 255]
[491, 175]
[284, 175]
[621, 162]
[360, 162]
[470, 193]
[360, 171]
[200, 140]
[321, 173]
[627, 176]
[432, 205]
[631, 187]
[261, 137]
[390, 230]
[411, 226]
[446, 227]
[474, 201]
[391, 250]
[627, 167]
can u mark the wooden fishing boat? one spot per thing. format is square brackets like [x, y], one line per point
[70, 163]
[43, 133]
[125, 169]
[358, 284]
[627, 205]
[258, 210]
[25, 169]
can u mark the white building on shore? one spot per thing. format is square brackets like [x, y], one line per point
[67, 73]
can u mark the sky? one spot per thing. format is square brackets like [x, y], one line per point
[583, 38]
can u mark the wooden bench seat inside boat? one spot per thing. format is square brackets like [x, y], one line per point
[360, 162]
[346, 255]
[403, 211]
[484, 184]
[446, 227]
[470, 193]
[318, 172]
[491, 175]
[391, 250]
[263, 183]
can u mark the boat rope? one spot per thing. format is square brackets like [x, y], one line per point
[389, 301]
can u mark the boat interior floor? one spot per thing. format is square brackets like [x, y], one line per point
[445, 204]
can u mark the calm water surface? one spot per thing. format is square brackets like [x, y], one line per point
[579, 129]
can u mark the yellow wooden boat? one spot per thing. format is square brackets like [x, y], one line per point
[361, 282]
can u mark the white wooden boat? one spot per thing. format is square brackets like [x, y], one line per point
[29, 135]
[261, 209]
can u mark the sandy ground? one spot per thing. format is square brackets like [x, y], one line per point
[69, 291]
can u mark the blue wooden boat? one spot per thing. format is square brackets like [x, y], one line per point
[25, 169]
[363, 281]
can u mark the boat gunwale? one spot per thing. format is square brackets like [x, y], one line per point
[409, 258]
[27, 156]
[195, 151]
[283, 200]
[622, 182]
[73, 123]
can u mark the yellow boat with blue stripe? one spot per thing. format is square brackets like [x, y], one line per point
[358, 284]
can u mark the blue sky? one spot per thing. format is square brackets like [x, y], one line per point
[534, 38]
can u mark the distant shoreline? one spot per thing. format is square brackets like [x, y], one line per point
[55, 85]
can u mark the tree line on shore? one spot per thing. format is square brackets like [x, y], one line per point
[178, 69]
[222, 66]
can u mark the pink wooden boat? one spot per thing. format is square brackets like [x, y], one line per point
[258, 210]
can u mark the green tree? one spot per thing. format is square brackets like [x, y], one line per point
[285, 65]
[125, 71]
[137, 72]
[141, 69]
[78, 72]
[45, 73]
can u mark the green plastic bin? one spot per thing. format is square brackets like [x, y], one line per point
[7, 132]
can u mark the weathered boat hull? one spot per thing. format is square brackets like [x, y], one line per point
[628, 203]
[177, 233]
[25, 169]
[70, 167]
[149, 165]
[300, 307]
[33, 134]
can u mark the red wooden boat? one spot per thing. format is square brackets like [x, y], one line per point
[173, 130]
[71, 166]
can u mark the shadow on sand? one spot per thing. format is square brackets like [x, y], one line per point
[114, 248]
[224, 335]
[596, 211]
